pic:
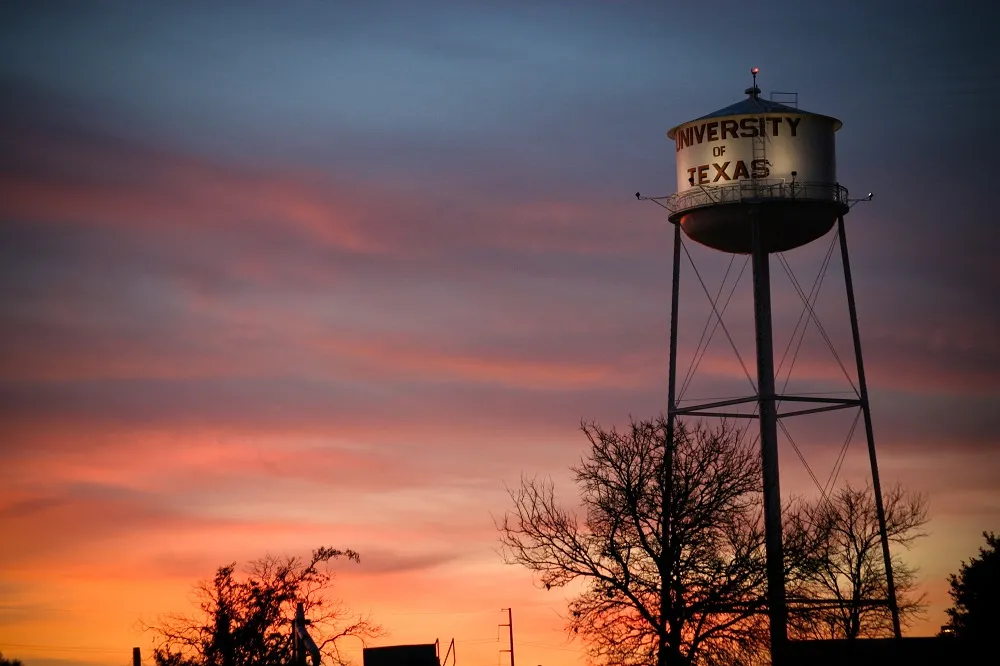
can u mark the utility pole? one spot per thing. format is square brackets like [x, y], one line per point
[136, 657]
[510, 633]
[302, 643]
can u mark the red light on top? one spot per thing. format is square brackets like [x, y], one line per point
[755, 71]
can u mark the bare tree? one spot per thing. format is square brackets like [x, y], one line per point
[245, 620]
[847, 569]
[672, 566]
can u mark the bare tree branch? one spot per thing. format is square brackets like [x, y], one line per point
[246, 619]
[847, 564]
[710, 565]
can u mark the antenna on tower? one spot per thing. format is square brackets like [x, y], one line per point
[753, 90]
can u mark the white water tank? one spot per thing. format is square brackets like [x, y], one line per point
[776, 159]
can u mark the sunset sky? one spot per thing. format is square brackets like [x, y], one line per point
[282, 275]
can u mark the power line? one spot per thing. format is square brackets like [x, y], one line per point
[719, 317]
[696, 362]
[61, 648]
[548, 646]
[465, 612]
[812, 313]
[813, 297]
[798, 452]
[694, 359]
[839, 464]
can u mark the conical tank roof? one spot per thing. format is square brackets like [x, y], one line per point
[754, 105]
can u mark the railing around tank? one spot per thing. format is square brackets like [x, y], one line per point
[756, 189]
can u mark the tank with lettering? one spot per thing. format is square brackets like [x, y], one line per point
[777, 157]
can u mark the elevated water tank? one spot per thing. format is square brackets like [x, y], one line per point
[756, 157]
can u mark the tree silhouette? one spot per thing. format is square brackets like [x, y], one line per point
[846, 569]
[10, 662]
[672, 568]
[975, 591]
[246, 620]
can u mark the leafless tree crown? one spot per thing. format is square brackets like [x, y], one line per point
[673, 569]
[245, 620]
[846, 569]
[673, 566]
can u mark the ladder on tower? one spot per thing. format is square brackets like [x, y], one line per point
[758, 167]
[759, 163]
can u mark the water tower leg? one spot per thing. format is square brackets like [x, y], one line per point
[866, 410]
[777, 611]
[666, 544]
[672, 370]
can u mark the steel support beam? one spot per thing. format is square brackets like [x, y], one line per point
[713, 405]
[722, 415]
[836, 403]
[777, 611]
[666, 569]
[866, 410]
[821, 401]
[814, 410]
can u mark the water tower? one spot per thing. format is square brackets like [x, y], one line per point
[758, 178]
